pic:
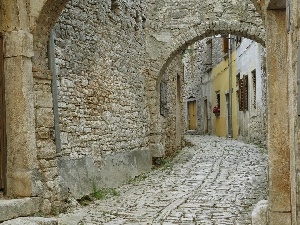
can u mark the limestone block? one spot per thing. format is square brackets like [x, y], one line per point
[119, 167]
[44, 117]
[48, 151]
[13, 208]
[43, 133]
[47, 74]
[76, 176]
[72, 219]
[32, 221]
[259, 213]
[18, 43]
[44, 99]
[277, 218]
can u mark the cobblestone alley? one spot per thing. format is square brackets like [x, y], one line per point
[216, 181]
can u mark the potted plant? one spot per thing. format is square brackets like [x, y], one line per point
[216, 111]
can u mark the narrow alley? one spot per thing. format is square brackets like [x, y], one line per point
[213, 181]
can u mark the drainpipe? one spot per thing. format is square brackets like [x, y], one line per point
[230, 86]
[52, 67]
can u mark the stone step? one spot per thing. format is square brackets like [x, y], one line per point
[31, 221]
[14, 208]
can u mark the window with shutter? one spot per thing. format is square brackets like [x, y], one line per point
[243, 93]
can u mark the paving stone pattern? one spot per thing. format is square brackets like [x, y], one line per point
[216, 181]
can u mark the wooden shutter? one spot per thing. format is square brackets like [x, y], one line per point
[245, 93]
[254, 88]
[241, 94]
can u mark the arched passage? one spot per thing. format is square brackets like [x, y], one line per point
[175, 47]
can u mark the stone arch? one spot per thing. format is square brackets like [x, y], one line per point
[45, 20]
[199, 32]
[49, 13]
[178, 44]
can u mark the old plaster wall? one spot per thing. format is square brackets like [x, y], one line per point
[253, 122]
[102, 112]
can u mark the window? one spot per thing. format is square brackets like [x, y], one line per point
[225, 45]
[237, 80]
[218, 99]
[238, 41]
[163, 98]
[209, 53]
[243, 93]
[254, 88]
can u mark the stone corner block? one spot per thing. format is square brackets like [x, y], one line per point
[18, 43]
[259, 213]
[13, 208]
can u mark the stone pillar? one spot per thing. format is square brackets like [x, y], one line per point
[20, 130]
[278, 119]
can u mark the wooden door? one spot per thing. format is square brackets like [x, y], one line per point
[2, 121]
[192, 115]
[227, 114]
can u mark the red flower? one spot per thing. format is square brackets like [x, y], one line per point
[216, 109]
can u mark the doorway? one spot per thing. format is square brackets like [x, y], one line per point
[227, 114]
[2, 122]
[192, 115]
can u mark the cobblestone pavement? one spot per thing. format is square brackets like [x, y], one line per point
[216, 181]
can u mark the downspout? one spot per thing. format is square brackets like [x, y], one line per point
[52, 67]
[230, 135]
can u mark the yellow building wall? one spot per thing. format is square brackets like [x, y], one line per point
[220, 75]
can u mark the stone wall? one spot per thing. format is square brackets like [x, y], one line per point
[102, 111]
[103, 118]
[173, 77]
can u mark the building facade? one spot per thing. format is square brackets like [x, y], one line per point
[211, 69]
